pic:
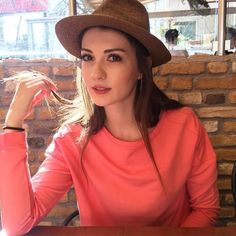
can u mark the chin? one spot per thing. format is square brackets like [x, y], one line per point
[101, 103]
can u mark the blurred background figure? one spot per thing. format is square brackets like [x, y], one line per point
[231, 35]
[171, 37]
[230, 39]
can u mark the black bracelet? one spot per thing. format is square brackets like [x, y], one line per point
[13, 128]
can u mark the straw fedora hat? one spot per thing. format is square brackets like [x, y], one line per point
[129, 16]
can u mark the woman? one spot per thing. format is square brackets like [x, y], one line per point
[134, 156]
[171, 36]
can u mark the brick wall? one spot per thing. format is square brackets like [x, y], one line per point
[205, 83]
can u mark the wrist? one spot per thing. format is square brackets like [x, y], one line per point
[13, 120]
[10, 129]
[13, 123]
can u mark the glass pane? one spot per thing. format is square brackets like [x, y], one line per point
[230, 45]
[85, 6]
[27, 28]
[195, 21]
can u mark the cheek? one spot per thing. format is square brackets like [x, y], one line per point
[129, 77]
[132, 77]
[129, 83]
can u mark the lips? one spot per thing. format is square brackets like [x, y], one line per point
[101, 89]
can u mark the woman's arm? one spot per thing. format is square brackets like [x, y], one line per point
[201, 185]
[25, 201]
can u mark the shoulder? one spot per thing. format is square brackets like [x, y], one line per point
[183, 117]
[179, 114]
[65, 143]
[72, 130]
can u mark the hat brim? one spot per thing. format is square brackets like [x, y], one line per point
[68, 30]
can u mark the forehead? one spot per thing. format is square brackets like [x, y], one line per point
[104, 35]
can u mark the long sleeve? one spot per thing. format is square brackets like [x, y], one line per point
[201, 186]
[25, 201]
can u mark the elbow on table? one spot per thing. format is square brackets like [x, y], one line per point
[202, 218]
[16, 229]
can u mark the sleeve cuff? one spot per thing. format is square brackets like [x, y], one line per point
[13, 140]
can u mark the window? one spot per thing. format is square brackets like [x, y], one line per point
[27, 26]
[230, 26]
[196, 23]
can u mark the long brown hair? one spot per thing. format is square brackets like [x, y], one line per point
[149, 102]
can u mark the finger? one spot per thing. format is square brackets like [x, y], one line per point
[47, 80]
[38, 86]
[51, 85]
[48, 83]
[38, 97]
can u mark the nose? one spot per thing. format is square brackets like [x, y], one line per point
[98, 71]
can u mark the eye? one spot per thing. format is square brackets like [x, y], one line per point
[86, 57]
[114, 58]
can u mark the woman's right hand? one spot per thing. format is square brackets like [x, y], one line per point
[31, 89]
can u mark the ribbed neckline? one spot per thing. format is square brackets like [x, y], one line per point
[135, 143]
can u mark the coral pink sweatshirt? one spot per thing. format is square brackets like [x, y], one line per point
[122, 186]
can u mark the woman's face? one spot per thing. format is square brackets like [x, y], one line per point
[109, 67]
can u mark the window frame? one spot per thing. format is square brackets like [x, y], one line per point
[222, 6]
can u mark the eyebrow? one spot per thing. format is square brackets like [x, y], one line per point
[106, 51]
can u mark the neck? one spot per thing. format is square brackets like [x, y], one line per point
[121, 123]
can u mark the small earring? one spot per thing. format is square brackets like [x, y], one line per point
[141, 85]
[140, 76]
